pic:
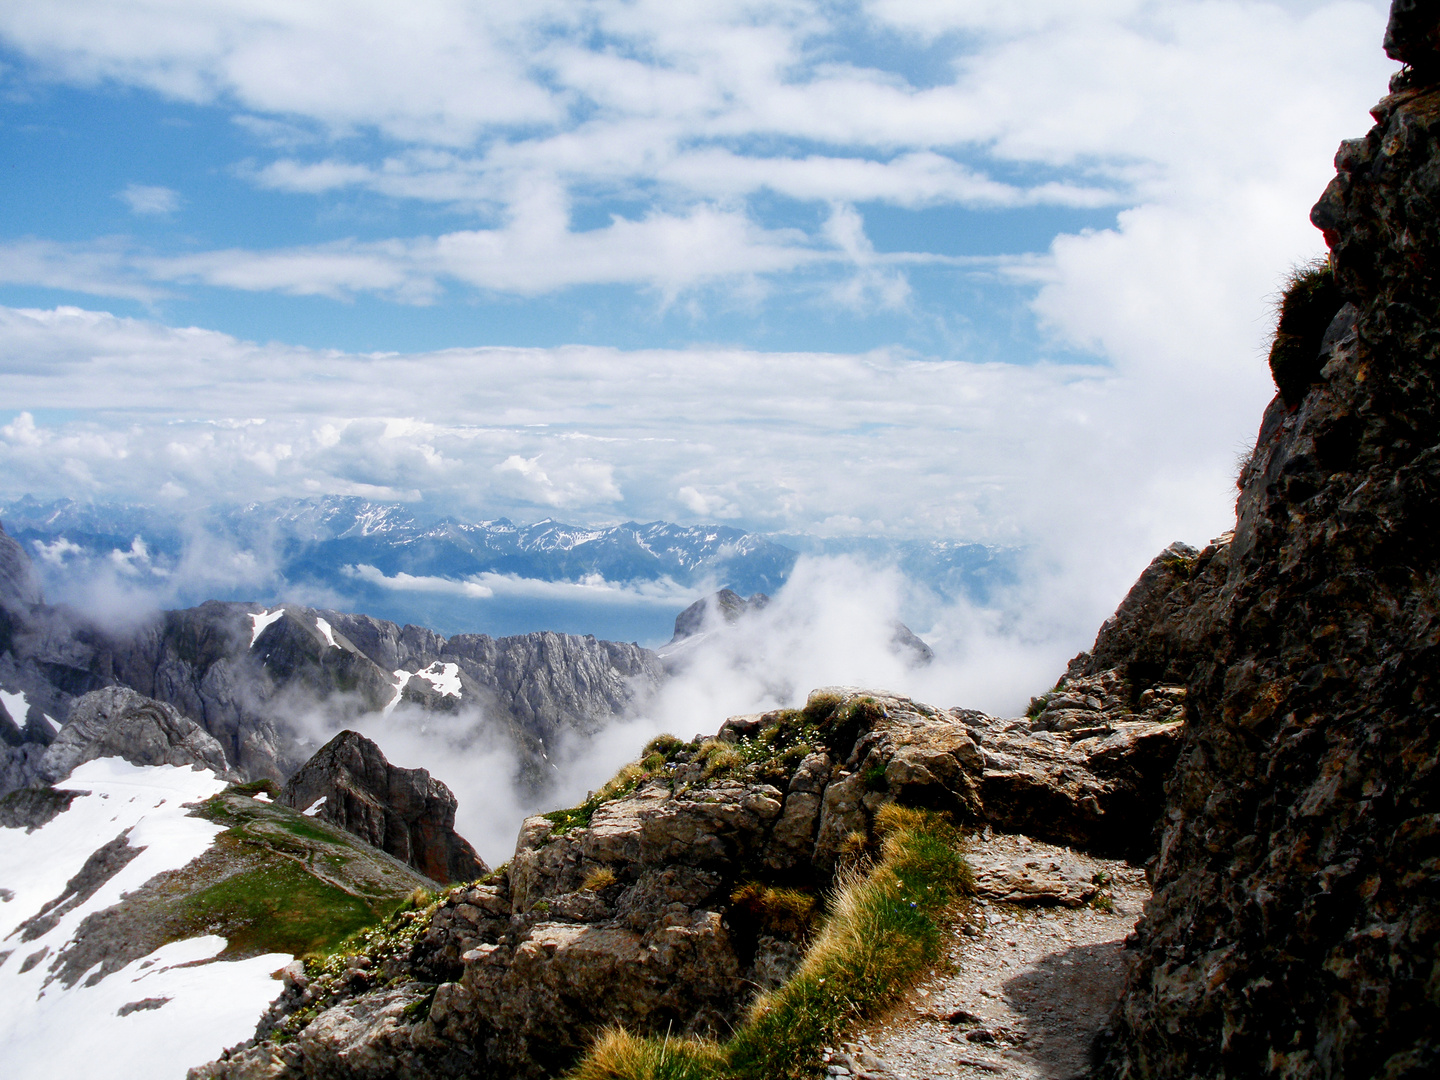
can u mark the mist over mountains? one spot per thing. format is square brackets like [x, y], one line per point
[623, 582]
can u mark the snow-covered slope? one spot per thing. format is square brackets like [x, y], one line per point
[158, 1014]
[145, 911]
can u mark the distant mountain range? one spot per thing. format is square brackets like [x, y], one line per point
[626, 581]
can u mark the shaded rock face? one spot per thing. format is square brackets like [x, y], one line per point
[1293, 930]
[18, 584]
[630, 911]
[406, 813]
[118, 722]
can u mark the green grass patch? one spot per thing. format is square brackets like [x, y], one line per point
[279, 907]
[307, 830]
[881, 934]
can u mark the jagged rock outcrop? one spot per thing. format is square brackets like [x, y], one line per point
[644, 906]
[118, 722]
[1293, 929]
[404, 812]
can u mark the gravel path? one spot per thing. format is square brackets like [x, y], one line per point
[1033, 972]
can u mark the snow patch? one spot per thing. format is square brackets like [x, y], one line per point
[54, 724]
[262, 797]
[55, 1031]
[445, 678]
[16, 706]
[316, 807]
[259, 622]
[80, 1032]
[402, 680]
[324, 628]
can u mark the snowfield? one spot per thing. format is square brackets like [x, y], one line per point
[182, 1010]
[259, 622]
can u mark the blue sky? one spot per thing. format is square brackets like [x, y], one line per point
[977, 270]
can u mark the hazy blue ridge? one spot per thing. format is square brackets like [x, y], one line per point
[348, 552]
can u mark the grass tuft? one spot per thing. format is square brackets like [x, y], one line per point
[599, 879]
[778, 911]
[618, 1055]
[880, 935]
[1310, 300]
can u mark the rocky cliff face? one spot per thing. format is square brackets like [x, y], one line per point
[1293, 930]
[118, 722]
[405, 812]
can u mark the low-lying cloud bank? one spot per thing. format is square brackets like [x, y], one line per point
[832, 623]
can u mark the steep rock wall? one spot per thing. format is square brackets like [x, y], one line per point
[1295, 925]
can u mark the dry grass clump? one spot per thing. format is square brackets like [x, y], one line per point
[879, 936]
[719, 757]
[778, 911]
[599, 879]
[618, 1055]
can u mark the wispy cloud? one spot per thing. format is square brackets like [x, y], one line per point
[1101, 466]
[150, 201]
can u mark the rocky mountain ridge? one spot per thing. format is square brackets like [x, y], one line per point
[249, 675]
[314, 540]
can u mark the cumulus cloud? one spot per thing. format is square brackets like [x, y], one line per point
[1208, 124]
[1095, 467]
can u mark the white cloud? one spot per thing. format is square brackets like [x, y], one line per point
[1098, 467]
[690, 109]
[1210, 124]
[591, 589]
[148, 200]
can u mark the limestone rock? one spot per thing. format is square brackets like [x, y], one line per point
[629, 911]
[118, 722]
[19, 587]
[31, 807]
[404, 812]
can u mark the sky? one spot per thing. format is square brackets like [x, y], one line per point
[979, 271]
